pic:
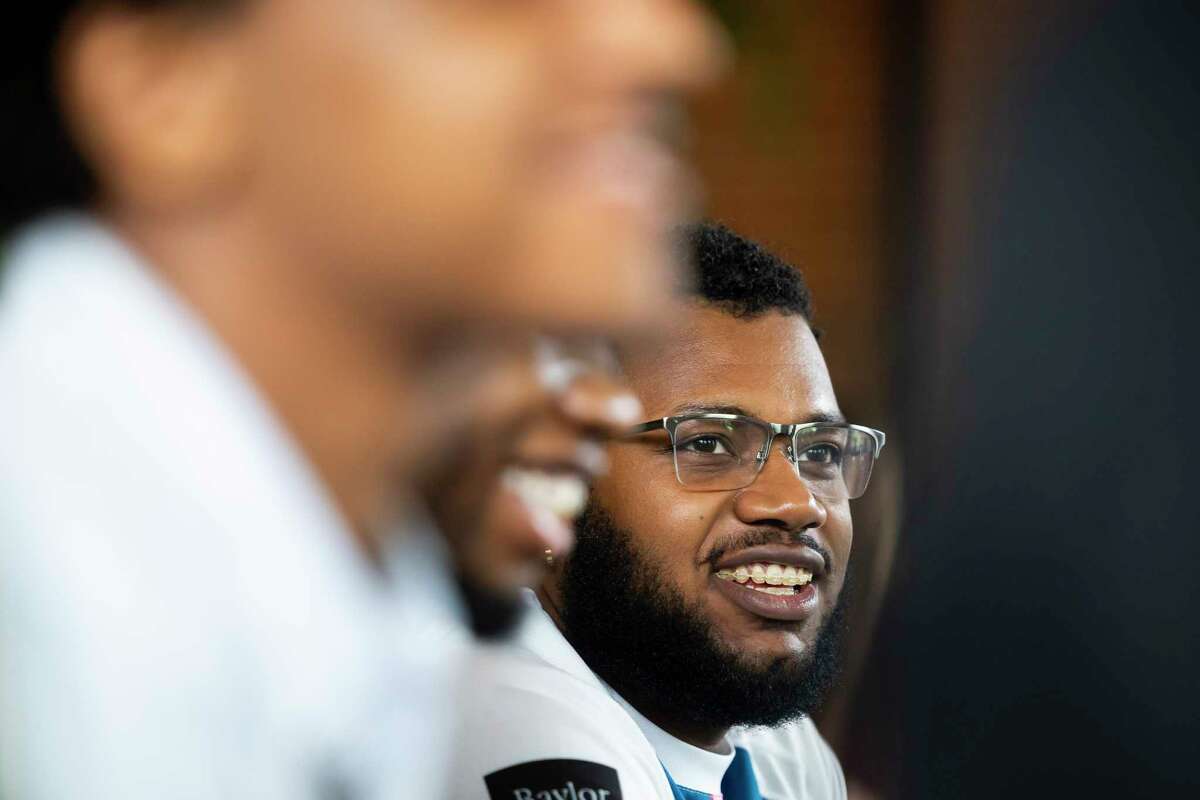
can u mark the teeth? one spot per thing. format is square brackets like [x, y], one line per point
[560, 494]
[783, 576]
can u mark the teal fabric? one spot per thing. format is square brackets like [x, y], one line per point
[739, 782]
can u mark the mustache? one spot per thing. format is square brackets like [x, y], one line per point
[756, 537]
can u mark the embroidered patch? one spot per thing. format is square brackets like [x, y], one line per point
[554, 779]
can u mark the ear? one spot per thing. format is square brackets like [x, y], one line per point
[153, 101]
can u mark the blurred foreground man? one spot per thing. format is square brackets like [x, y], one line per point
[253, 253]
[677, 651]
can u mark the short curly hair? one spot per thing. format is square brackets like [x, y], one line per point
[741, 277]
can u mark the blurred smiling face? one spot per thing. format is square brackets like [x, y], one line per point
[495, 159]
[652, 597]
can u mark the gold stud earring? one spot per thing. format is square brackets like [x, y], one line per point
[549, 557]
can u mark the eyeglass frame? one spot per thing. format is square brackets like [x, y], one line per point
[774, 429]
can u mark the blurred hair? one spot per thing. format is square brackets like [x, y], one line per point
[743, 278]
[42, 168]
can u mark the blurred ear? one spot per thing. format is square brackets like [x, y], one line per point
[153, 101]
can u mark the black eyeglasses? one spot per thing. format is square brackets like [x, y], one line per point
[721, 452]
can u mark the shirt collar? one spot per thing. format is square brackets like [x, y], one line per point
[162, 375]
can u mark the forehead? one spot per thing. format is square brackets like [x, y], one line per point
[770, 366]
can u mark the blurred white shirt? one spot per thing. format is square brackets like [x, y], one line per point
[183, 613]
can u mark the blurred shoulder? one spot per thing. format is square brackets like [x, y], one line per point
[793, 761]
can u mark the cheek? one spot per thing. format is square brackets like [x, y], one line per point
[838, 533]
[393, 127]
[590, 263]
[669, 525]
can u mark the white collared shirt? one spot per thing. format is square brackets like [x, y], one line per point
[183, 612]
[534, 699]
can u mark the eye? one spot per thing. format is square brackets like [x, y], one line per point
[706, 445]
[822, 453]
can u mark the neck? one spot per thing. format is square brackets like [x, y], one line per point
[705, 737]
[339, 385]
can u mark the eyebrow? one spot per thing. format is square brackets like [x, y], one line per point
[830, 417]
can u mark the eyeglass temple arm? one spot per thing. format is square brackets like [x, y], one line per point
[652, 425]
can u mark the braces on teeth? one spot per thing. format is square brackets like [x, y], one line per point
[777, 579]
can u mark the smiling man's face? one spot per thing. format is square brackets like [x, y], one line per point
[769, 367]
[655, 539]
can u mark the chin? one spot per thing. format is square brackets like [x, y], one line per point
[492, 612]
[762, 647]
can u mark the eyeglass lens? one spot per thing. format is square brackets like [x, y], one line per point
[722, 454]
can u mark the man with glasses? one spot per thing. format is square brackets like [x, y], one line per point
[678, 650]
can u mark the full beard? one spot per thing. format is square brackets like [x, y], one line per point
[660, 653]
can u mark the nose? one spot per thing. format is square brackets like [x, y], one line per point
[779, 498]
[658, 46]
